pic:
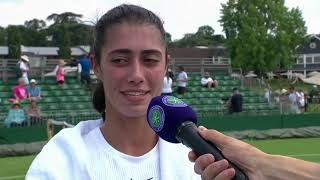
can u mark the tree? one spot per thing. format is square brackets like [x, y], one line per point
[219, 39]
[63, 18]
[64, 43]
[168, 38]
[14, 41]
[34, 33]
[35, 24]
[263, 34]
[69, 23]
[3, 36]
[203, 37]
[80, 34]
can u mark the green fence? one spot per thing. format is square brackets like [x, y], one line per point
[238, 123]
[221, 123]
[23, 134]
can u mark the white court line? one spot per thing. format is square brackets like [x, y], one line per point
[302, 155]
[11, 177]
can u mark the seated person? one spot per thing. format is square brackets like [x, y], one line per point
[16, 116]
[207, 81]
[19, 91]
[235, 102]
[34, 92]
[33, 112]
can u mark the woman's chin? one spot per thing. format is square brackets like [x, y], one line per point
[134, 112]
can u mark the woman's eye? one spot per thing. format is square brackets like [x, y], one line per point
[119, 61]
[151, 60]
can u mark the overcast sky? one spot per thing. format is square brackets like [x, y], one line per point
[180, 16]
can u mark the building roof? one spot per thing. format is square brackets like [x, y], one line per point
[312, 46]
[4, 50]
[50, 51]
[197, 52]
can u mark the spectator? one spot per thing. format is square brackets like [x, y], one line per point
[182, 80]
[34, 92]
[72, 63]
[167, 84]
[294, 101]
[208, 82]
[19, 91]
[236, 101]
[301, 100]
[267, 94]
[60, 73]
[215, 82]
[33, 112]
[171, 75]
[84, 67]
[16, 115]
[22, 68]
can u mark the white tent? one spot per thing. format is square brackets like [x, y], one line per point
[313, 73]
[293, 75]
[312, 80]
[250, 74]
[235, 75]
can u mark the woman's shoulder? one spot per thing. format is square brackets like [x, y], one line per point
[75, 134]
[66, 149]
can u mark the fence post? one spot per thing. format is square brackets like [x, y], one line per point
[5, 70]
[281, 108]
[202, 67]
[173, 63]
[42, 68]
[229, 65]
[50, 129]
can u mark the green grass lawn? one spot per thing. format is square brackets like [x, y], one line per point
[304, 148]
[14, 168]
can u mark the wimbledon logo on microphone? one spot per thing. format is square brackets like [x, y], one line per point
[156, 118]
[173, 101]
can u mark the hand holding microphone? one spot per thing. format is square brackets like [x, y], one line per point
[174, 121]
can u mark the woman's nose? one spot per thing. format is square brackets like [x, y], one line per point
[136, 75]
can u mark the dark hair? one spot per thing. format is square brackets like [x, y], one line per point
[181, 68]
[120, 14]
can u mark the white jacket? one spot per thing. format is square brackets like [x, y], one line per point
[66, 156]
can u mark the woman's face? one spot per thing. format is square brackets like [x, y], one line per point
[132, 67]
[16, 106]
[21, 82]
[33, 104]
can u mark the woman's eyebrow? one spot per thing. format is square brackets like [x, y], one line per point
[152, 51]
[120, 51]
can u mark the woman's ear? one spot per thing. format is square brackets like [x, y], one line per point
[96, 68]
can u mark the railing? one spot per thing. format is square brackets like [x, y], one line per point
[201, 65]
[71, 117]
[39, 67]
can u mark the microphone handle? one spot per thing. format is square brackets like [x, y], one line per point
[188, 135]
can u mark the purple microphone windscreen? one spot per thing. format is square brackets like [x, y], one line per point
[166, 113]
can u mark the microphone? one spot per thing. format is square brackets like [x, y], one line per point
[175, 121]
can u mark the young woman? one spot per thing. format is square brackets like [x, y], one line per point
[60, 73]
[130, 60]
[167, 85]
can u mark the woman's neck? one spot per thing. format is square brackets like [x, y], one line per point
[132, 136]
